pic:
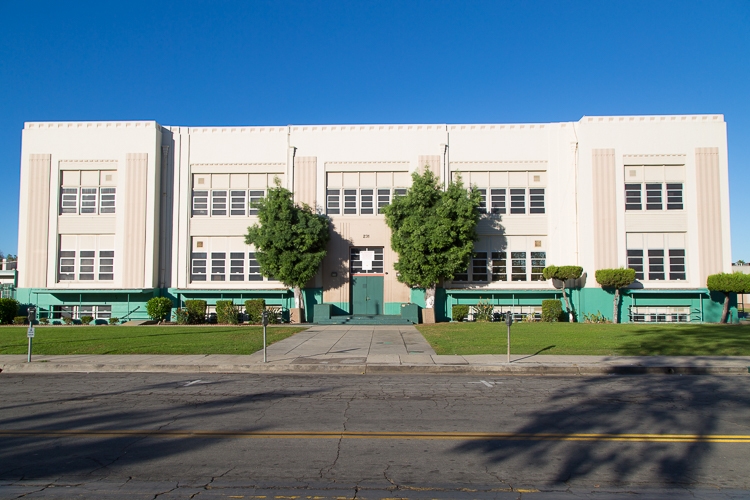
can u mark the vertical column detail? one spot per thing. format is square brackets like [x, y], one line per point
[305, 177]
[432, 162]
[604, 186]
[33, 273]
[708, 185]
[134, 238]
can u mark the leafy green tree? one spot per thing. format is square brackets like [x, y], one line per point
[728, 283]
[290, 240]
[564, 273]
[433, 231]
[616, 279]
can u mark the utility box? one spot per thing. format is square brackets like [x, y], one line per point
[411, 312]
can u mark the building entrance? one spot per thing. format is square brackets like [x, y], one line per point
[366, 266]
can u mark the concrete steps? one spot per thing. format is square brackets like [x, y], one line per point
[359, 319]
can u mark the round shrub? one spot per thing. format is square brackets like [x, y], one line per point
[8, 310]
[20, 320]
[159, 308]
[551, 310]
[87, 319]
[459, 312]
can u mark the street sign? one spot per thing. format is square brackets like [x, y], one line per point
[30, 332]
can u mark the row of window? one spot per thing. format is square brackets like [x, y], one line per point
[87, 200]
[239, 267]
[360, 201]
[87, 266]
[497, 268]
[227, 202]
[77, 312]
[655, 196]
[659, 263]
[499, 198]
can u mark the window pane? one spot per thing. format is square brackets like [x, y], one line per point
[198, 266]
[255, 197]
[200, 202]
[479, 267]
[498, 201]
[350, 201]
[518, 265]
[677, 264]
[633, 197]
[536, 201]
[399, 192]
[366, 201]
[674, 196]
[86, 265]
[656, 264]
[518, 201]
[538, 263]
[107, 203]
[499, 266]
[218, 266]
[237, 266]
[483, 200]
[218, 203]
[635, 262]
[253, 268]
[653, 197]
[384, 199]
[66, 265]
[333, 202]
[88, 200]
[237, 202]
[69, 201]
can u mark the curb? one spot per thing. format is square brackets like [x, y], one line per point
[538, 370]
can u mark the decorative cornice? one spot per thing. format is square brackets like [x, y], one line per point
[653, 118]
[133, 124]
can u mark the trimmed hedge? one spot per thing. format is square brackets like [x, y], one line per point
[87, 319]
[159, 308]
[254, 310]
[227, 312]
[8, 310]
[459, 312]
[551, 310]
[20, 320]
[196, 311]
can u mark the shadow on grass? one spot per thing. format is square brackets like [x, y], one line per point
[688, 340]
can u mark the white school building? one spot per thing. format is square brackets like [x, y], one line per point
[114, 213]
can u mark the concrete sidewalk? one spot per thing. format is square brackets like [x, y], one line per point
[374, 349]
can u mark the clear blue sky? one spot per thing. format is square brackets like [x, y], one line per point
[279, 63]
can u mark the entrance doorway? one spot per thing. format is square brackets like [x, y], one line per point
[367, 277]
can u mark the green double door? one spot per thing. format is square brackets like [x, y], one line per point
[367, 294]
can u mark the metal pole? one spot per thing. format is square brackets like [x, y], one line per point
[265, 359]
[28, 357]
[508, 343]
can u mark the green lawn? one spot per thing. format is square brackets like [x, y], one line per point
[141, 339]
[593, 339]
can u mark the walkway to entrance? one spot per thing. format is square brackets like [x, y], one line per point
[355, 345]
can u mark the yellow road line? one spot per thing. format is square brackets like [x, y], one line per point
[440, 436]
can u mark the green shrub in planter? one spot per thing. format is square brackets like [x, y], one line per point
[159, 308]
[196, 311]
[254, 310]
[44, 321]
[8, 310]
[181, 316]
[20, 320]
[459, 312]
[227, 312]
[67, 321]
[483, 310]
[114, 321]
[87, 319]
[551, 310]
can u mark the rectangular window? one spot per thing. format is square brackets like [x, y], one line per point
[85, 311]
[333, 202]
[635, 262]
[69, 201]
[461, 276]
[237, 202]
[653, 197]
[255, 197]
[482, 200]
[674, 196]
[656, 264]
[384, 199]
[677, 264]
[497, 199]
[366, 202]
[499, 266]
[253, 268]
[518, 201]
[198, 266]
[103, 312]
[479, 267]
[518, 265]
[359, 264]
[538, 263]
[86, 265]
[536, 201]
[350, 202]
[633, 197]
[200, 202]
[88, 200]
[218, 203]
[106, 265]
[237, 266]
[218, 266]
[107, 200]
[399, 192]
[67, 270]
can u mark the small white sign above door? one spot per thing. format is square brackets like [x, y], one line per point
[367, 256]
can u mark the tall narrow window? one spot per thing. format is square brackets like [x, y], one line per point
[479, 267]
[536, 201]
[107, 200]
[499, 266]
[218, 266]
[350, 202]
[538, 263]
[67, 265]
[255, 197]
[518, 266]
[69, 201]
[677, 264]
[497, 199]
[218, 203]
[384, 199]
[633, 197]
[200, 202]
[656, 264]
[653, 197]
[88, 200]
[253, 268]
[333, 202]
[674, 196]
[237, 203]
[461, 276]
[86, 265]
[198, 266]
[106, 265]
[518, 201]
[366, 202]
[635, 262]
[237, 266]
[482, 200]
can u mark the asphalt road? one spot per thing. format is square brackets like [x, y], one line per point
[248, 436]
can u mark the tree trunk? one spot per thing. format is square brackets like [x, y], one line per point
[298, 298]
[725, 313]
[567, 304]
[617, 303]
[429, 297]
